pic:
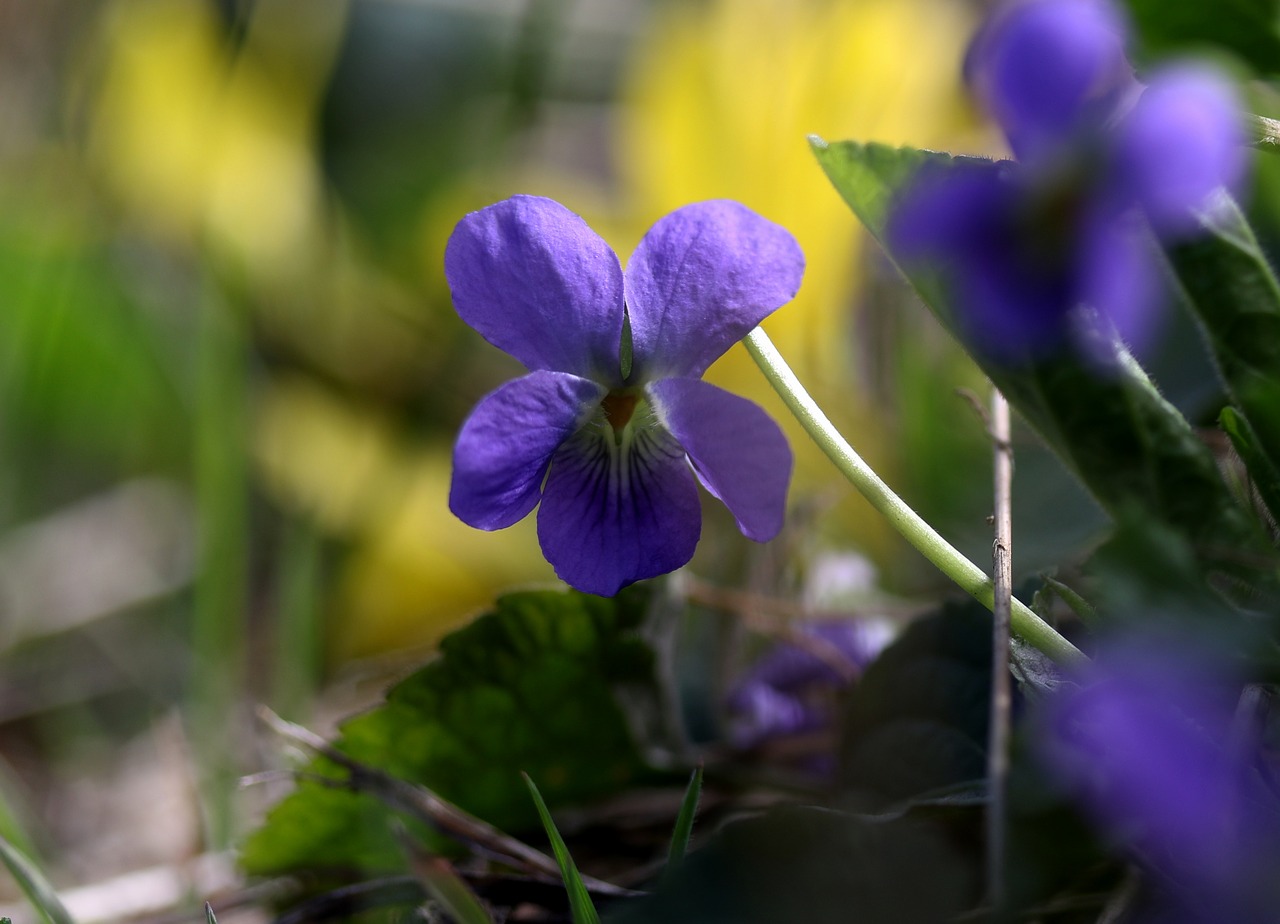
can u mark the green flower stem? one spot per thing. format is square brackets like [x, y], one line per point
[973, 580]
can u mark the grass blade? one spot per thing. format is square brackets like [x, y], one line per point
[580, 907]
[684, 821]
[450, 891]
[33, 884]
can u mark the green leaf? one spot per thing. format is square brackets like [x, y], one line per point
[916, 721]
[684, 820]
[41, 894]
[1129, 447]
[209, 915]
[526, 687]
[1247, 28]
[1230, 288]
[815, 866]
[1263, 474]
[580, 906]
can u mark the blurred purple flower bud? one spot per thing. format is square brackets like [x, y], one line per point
[1049, 70]
[1145, 748]
[1024, 245]
[792, 688]
[1182, 141]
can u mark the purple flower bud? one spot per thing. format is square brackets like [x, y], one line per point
[1049, 70]
[1029, 250]
[791, 689]
[1183, 140]
[1145, 747]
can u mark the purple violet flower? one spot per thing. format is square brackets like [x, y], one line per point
[1024, 245]
[612, 423]
[792, 689]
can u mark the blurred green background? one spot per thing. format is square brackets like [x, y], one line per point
[230, 373]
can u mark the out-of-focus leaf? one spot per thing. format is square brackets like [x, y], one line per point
[1230, 287]
[1263, 474]
[85, 372]
[34, 885]
[527, 687]
[815, 866]
[1129, 446]
[402, 71]
[580, 906]
[1246, 28]
[917, 719]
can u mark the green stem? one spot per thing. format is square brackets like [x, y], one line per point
[968, 576]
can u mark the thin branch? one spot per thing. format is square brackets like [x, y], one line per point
[1001, 693]
[423, 804]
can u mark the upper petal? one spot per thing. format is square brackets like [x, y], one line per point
[1183, 140]
[611, 516]
[701, 279]
[737, 451]
[1048, 69]
[504, 447]
[538, 283]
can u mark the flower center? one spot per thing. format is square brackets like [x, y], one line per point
[618, 407]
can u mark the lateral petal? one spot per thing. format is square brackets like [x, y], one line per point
[739, 454]
[505, 446]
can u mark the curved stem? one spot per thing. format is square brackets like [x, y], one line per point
[973, 580]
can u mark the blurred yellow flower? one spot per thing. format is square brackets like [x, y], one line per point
[719, 103]
[199, 141]
[415, 571]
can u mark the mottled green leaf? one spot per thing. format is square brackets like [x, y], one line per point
[1129, 446]
[528, 687]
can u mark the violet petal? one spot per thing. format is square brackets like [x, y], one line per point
[505, 446]
[1182, 141]
[739, 454]
[701, 279]
[1046, 69]
[1120, 278]
[535, 281]
[614, 515]
[968, 222]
